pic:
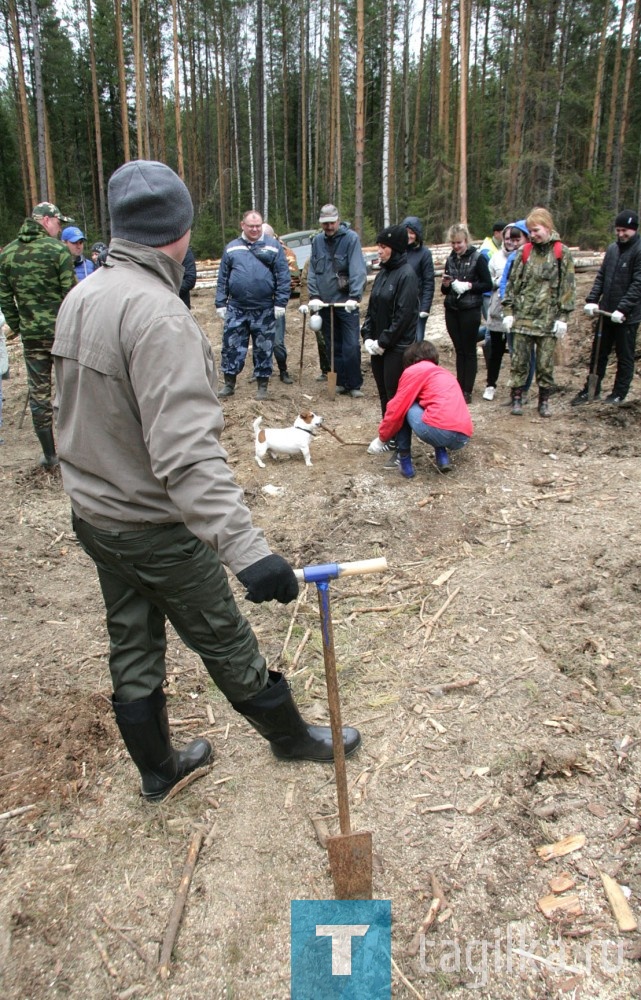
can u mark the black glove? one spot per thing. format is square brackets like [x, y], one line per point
[269, 579]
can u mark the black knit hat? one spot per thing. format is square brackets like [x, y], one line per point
[627, 219]
[149, 204]
[394, 237]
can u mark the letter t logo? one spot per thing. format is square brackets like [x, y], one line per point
[341, 935]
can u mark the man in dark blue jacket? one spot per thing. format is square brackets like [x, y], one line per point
[337, 274]
[252, 293]
[616, 290]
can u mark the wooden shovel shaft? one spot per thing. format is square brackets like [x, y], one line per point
[302, 350]
[334, 705]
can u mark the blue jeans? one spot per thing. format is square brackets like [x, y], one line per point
[420, 329]
[435, 436]
[347, 346]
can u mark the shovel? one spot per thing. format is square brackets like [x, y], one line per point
[302, 349]
[350, 854]
[593, 378]
[331, 374]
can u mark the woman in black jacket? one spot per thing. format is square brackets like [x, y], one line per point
[392, 312]
[466, 278]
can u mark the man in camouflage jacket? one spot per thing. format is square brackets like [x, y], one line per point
[539, 298]
[36, 272]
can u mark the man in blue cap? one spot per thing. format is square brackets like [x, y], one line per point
[74, 240]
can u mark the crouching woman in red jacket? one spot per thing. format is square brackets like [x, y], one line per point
[429, 401]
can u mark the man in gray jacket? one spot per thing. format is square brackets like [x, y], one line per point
[337, 274]
[154, 501]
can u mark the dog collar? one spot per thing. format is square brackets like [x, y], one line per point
[307, 430]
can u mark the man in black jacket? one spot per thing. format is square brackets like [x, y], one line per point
[616, 290]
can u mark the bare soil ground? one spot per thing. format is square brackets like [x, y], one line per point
[517, 575]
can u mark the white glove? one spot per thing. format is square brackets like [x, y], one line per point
[507, 323]
[303, 309]
[376, 348]
[316, 305]
[367, 344]
[459, 287]
[351, 306]
[591, 309]
[221, 313]
[377, 447]
[424, 315]
[617, 316]
[559, 329]
[279, 311]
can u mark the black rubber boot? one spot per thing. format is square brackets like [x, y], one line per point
[544, 403]
[144, 726]
[286, 377]
[273, 714]
[50, 459]
[517, 403]
[229, 387]
[262, 388]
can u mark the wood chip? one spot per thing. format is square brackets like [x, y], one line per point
[550, 905]
[561, 883]
[478, 805]
[597, 809]
[623, 915]
[443, 578]
[566, 846]
[321, 829]
[289, 795]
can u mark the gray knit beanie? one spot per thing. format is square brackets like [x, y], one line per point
[149, 204]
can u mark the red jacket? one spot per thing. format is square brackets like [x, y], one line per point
[437, 391]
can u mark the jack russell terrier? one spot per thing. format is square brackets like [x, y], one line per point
[286, 440]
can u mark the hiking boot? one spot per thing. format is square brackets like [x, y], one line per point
[393, 461]
[262, 388]
[517, 403]
[407, 469]
[544, 403]
[582, 397]
[340, 390]
[467, 396]
[442, 460]
[286, 378]
[229, 387]
[322, 377]
[356, 393]
[614, 400]
[490, 392]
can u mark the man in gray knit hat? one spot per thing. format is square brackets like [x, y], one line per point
[154, 502]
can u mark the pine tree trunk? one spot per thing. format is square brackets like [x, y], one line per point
[122, 83]
[359, 117]
[31, 186]
[614, 96]
[177, 118]
[100, 170]
[593, 150]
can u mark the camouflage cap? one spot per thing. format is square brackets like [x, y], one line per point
[47, 208]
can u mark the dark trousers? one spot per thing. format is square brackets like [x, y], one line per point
[387, 369]
[347, 346]
[162, 573]
[621, 336]
[462, 326]
[497, 350]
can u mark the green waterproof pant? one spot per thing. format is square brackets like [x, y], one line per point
[521, 353]
[161, 573]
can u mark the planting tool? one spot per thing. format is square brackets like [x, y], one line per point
[593, 378]
[302, 348]
[331, 374]
[350, 854]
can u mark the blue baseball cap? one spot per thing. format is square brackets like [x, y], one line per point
[72, 234]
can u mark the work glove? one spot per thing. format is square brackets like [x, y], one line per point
[279, 311]
[221, 313]
[377, 447]
[591, 309]
[459, 287]
[507, 323]
[373, 347]
[424, 315]
[303, 309]
[559, 329]
[617, 316]
[269, 579]
[367, 344]
[316, 305]
[351, 306]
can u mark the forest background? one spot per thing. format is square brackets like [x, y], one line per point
[473, 109]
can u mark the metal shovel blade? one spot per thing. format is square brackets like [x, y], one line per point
[350, 862]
